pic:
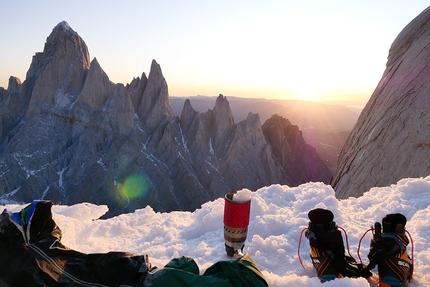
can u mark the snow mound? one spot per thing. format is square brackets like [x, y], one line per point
[278, 215]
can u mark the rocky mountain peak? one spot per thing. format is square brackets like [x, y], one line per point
[13, 84]
[222, 107]
[300, 160]
[61, 33]
[253, 119]
[60, 69]
[59, 37]
[155, 71]
[154, 105]
[223, 120]
[135, 88]
[188, 112]
[97, 87]
[390, 140]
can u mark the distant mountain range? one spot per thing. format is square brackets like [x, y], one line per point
[305, 114]
[324, 126]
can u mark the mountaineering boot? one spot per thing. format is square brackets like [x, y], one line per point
[326, 244]
[388, 251]
[327, 250]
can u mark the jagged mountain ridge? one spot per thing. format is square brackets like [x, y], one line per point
[390, 140]
[325, 126]
[71, 135]
[305, 114]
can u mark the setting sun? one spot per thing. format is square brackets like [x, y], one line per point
[307, 94]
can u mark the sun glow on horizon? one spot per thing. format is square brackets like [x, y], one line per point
[302, 50]
[307, 94]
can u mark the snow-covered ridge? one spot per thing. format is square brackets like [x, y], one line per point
[278, 215]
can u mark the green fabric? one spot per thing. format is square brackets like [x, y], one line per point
[184, 263]
[184, 272]
[241, 272]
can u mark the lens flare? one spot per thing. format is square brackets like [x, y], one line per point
[135, 186]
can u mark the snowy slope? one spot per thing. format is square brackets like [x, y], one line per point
[278, 215]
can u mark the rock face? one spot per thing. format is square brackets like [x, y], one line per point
[67, 133]
[59, 71]
[299, 160]
[229, 152]
[391, 139]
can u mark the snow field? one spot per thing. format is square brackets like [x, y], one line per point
[278, 215]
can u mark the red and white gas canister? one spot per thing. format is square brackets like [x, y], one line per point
[236, 221]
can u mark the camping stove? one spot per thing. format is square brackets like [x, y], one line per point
[236, 221]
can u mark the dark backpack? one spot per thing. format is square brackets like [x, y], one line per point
[32, 255]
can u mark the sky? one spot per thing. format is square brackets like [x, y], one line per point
[278, 216]
[333, 50]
